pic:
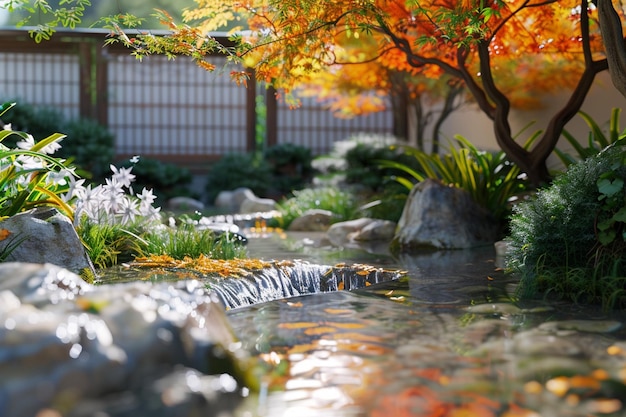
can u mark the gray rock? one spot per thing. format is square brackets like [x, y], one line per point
[314, 220]
[361, 230]
[440, 217]
[65, 341]
[43, 235]
[184, 204]
[254, 204]
[231, 200]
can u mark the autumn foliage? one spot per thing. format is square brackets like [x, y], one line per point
[504, 52]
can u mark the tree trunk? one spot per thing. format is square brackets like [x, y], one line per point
[613, 39]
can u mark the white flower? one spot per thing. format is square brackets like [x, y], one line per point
[146, 197]
[51, 148]
[112, 186]
[134, 159]
[74, 188]
[26, 143]
[128, 210]
[7, 126]
[122, 175]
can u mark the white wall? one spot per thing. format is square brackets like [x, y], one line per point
[475, 126]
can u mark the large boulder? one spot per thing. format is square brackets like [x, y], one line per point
[68, 342]
[437, 216]
[312, 220]
[43, 235]
[254, 204]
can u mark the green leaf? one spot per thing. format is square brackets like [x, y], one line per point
[620, 216]
[606, 237]
[609, 188]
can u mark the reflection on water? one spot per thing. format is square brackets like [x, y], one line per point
[449, 341]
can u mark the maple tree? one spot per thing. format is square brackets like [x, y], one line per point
[496, 48]
[478, 42]
[363, 80]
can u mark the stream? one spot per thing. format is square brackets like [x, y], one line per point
[448, 339]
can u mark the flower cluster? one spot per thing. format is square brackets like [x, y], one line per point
[114, 202]
[30, 176]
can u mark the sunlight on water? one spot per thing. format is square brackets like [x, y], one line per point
[449, 341]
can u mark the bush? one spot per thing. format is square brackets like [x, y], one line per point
[489, 177]
[90, 145]
[290, 165]
[569, 240]
[38, 122]
[342, 204]
[166, 180]
[236, 170]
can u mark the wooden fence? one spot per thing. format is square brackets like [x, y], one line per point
[168, 110]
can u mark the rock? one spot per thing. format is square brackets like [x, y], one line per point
[65, 341]
[184, 204]
[341, 233]
[231, 200]
[254, 204]
[360, 230]
[314, 220]
[441, 217]
[46, 236]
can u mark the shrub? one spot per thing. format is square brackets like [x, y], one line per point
[38, 122]
[570, 238]
[342, 204]
[165, 179]
[90, 146]
[236, 170]
[597, 140]
[489, 177]
[29, 176]
[290, 165]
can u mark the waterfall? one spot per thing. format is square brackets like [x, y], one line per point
[293, 278]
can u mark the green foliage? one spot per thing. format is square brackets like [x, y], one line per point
[109, 243]
[343, 204]
[37, 121]
[569, 239]
[236, 170]
[165, 179]
[290, 165]
[29, 177]
[364, 168]
[355, 164]
[597, 140]
[66, 13]
[489, 177]
[187, 241]
[90, 146]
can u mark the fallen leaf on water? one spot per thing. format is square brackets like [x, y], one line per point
[297, 325]
[319, 330]
[4, 233]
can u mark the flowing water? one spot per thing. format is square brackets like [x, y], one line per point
[446, 338]
[449, 339]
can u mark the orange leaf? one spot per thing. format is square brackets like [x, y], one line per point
[4, 233]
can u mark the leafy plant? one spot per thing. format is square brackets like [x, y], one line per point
[236, 170]
[568, 240]
[90, 146]
[164, 179]
[596, 140]
[187, 241]
[489, 177]
[342, 204]
[290, 165]
[29, 176]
